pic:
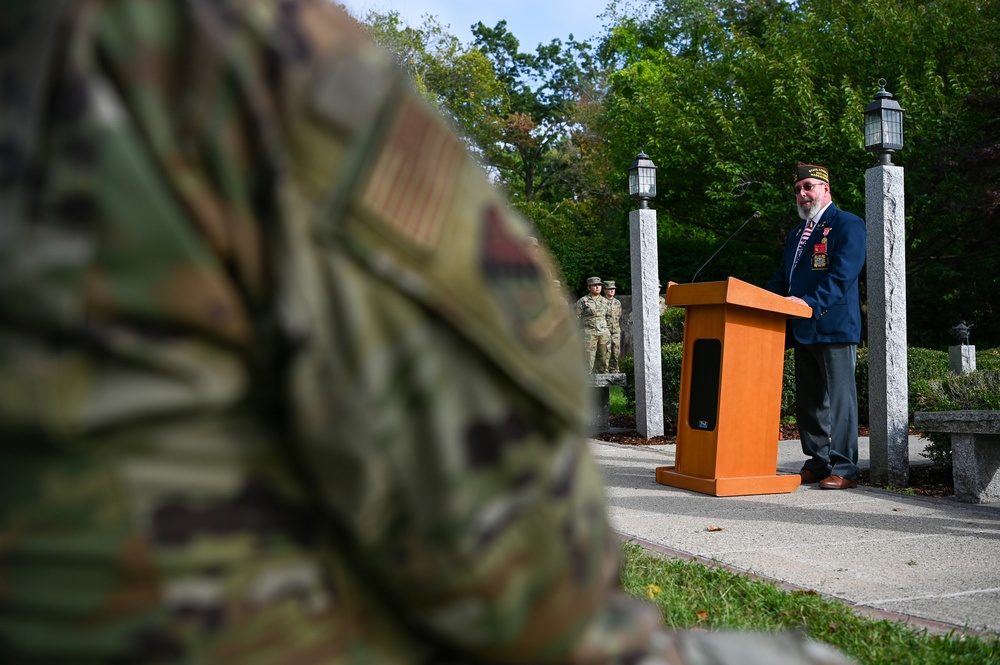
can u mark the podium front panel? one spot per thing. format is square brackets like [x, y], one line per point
[750, 401]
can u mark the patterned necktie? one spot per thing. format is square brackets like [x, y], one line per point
[803, 239]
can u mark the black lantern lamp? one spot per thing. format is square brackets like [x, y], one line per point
[642, 179]
[961, 332]
[883, 125]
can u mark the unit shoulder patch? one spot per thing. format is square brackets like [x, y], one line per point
[522, 286]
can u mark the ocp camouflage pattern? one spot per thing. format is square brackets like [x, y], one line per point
[594, 316]
[614, 315]
[614, 333]
[270, 394]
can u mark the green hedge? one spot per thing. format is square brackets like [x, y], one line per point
[922, 366]
[672, 325]
[979, 390]
[927, 370]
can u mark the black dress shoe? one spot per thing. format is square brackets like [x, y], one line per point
[837, 483]
[808, 476]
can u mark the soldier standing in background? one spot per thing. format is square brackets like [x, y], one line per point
[594, 314]
[614, 327]
[270, 390]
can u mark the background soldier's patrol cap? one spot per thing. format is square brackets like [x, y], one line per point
[609, 284]
[593, 280]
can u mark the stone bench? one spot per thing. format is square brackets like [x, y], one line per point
[975, 450]
[602, 406]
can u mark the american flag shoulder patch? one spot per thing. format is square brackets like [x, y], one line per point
[411, 187]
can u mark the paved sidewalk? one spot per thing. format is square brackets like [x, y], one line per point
[932, 559]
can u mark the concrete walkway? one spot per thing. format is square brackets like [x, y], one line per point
[934, 560]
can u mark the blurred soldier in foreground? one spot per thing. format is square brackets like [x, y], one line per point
[279, 381]
[614, 326]
[594, 315]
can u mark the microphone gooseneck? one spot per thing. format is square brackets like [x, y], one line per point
[755, 215]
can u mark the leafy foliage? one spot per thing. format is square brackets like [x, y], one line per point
[672, 325]
[979, 390]
[531, 150]
[578, 240]
[922, 365]
[458, 79]
[726, 95]
[670, 359]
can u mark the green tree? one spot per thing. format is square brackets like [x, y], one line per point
[727, 95]
[533, 155]
[456, 78]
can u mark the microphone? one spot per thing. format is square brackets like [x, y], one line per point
[755, 215]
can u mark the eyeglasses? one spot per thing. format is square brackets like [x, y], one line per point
[808, 187]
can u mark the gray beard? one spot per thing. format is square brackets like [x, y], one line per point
[809, 211]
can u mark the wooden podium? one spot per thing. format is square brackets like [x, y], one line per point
[730, 401]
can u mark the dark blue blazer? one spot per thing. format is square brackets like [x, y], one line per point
[826, 277]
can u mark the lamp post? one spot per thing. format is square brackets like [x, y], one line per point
[887, 371]
[883, 125]
[642, 179]
[962, 356]
[645, 299]
[961, 333]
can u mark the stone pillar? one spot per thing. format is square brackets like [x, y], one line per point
[646, 323]
[888, 411]
[962, 359]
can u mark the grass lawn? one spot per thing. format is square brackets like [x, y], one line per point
[692, 595]
[616, 400]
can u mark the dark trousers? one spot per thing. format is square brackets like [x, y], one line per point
[826, 406]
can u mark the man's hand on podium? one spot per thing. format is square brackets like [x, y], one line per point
[798, 300]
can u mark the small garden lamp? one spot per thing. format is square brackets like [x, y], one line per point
[961, 332]
[883, 125]
[642, 179]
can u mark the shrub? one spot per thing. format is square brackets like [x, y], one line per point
[979, 390]
[672, 325]
[670, 361]
[988, 360]
[670, 365]
[922, 365]
[627, 367]
[861, 379]
[788, 387]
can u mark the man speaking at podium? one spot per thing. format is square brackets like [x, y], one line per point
[820, 266]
